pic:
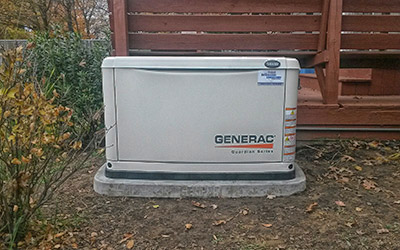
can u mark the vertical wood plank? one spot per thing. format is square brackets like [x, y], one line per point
[323, 26]
[319, 71]
[333, 47]
[322, 46]
[120, 16]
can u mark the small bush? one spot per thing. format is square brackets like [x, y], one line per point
[38, 150]
[74, 70]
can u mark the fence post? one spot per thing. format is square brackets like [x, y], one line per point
[333, 47]
[121, 39]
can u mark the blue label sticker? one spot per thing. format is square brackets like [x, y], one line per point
[271, 77]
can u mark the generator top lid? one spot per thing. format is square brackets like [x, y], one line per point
[197, 62]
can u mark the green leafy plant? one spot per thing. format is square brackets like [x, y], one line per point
[62, 61]
[38, 148]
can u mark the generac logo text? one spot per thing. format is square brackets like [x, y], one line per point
[244, 141]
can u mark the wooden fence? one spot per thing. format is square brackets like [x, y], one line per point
[325, 34]
[9, 44]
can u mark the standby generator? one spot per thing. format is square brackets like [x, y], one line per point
[200, 118]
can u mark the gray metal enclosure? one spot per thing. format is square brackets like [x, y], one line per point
[200, 117]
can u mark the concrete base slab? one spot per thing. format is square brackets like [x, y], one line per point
[200, 189]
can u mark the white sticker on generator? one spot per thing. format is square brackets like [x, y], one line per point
[289, 148]
[291, 133]
[289, 157]
[290, 113]
[290, 123]
[271, 77]
[290, 139]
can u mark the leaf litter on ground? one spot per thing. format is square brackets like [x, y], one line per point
[198, 204]
[347, 158]
[214, 206]
[130, 244]
[382, 231]
[245, 211]
[311, 207]
[340, 203]
[127, 236]
[368, 184]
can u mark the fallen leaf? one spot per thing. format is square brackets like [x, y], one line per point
[188, 226]
[360, 232]
[344, 180]
[349, 224]
[57, 246]
[394, 157]
[340, 203]
[347, 158]
[368, 162]
[356, 144]
[219, 222]
[156, 206]
[368, 184]
[215, 237]
[382, 231]
[310, 208]
[271, 196]
[59, 235]
[74, 245]
[198, 204]
[244, 211]
[93, 237]
[130, 244]
[267, 225]
[373, 144]
[15, 208]
[49, 237]
[213, 206]
[388, 149]
[397, 202]
[380, 159]
[127, 236]
[358, 168]
[358, 209]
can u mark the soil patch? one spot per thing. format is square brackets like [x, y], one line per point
[352, 201]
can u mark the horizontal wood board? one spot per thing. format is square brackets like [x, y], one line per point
[378, 6]
[223, 41]
[375, 23]
[370, 41]
[223, 23]
[224, 6]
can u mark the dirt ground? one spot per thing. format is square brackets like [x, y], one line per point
[352, 201]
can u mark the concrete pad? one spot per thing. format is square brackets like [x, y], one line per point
[200, 189]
